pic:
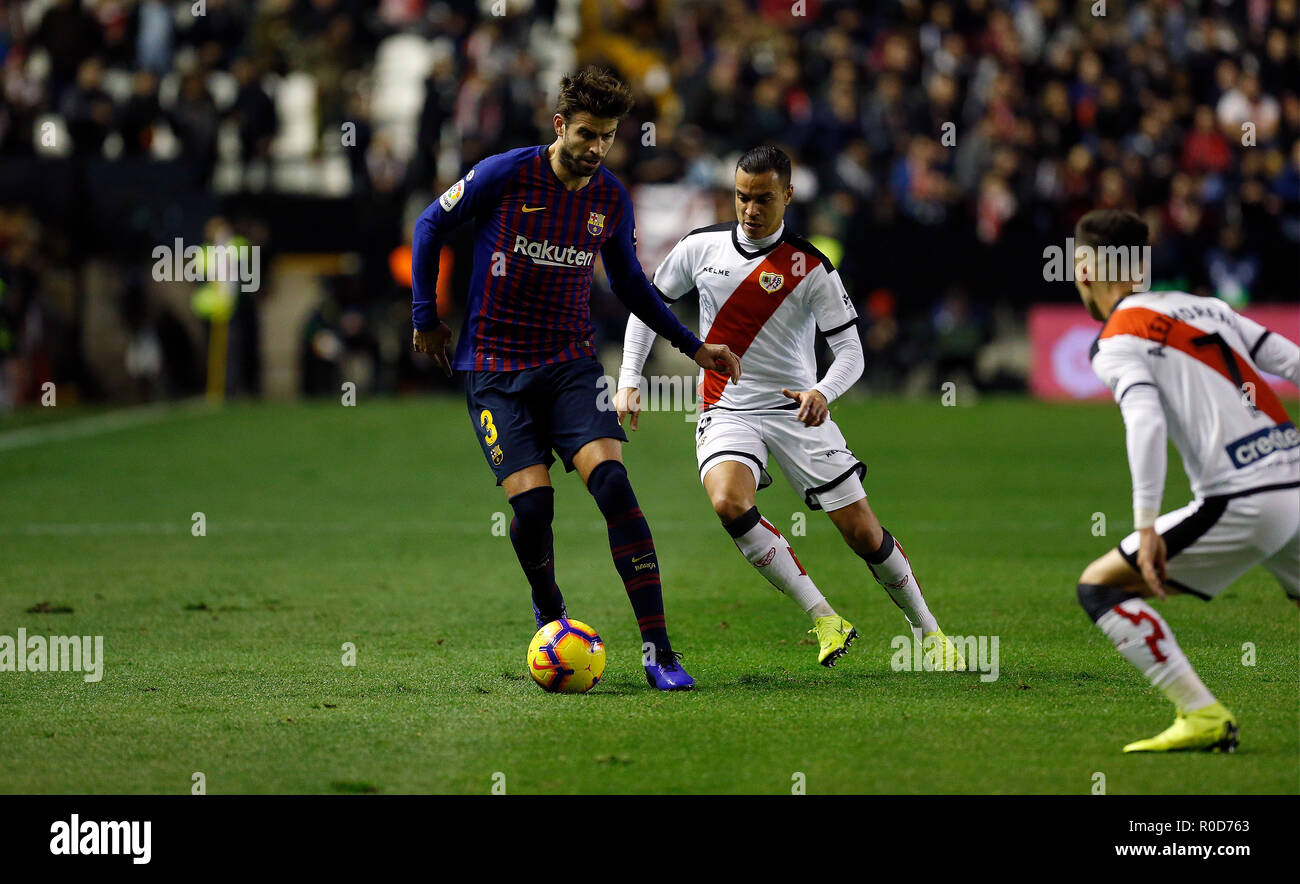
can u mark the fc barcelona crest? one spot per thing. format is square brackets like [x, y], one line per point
[595, 223]
[770, 282]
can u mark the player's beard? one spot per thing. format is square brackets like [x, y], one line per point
[573, 163]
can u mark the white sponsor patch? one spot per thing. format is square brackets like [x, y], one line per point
[452, 196]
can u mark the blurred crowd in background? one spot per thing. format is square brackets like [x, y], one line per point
[939, 145]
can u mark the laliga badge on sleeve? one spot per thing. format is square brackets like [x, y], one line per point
[452, 196]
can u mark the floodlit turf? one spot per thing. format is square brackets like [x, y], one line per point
[374, 525]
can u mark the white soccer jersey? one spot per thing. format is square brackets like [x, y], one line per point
[764, 299]
[1203, 360]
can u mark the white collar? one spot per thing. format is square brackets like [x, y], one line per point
[756, 244]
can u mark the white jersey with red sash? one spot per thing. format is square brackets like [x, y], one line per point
[1201, 356]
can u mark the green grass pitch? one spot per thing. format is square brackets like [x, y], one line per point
[374, 525]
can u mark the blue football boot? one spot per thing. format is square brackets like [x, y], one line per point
[542, 621]
[664, 672]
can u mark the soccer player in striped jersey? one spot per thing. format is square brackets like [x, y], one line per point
[541, 215]
[764, 291]
[1187, 368]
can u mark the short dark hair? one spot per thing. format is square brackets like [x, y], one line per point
[765, 158]
[1111, 227]
[595, 91]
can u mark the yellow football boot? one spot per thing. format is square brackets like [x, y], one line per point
[834, 634]
[1205, 730]
[941, 654]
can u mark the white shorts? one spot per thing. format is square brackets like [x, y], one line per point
[816, 460]
[1214, 541]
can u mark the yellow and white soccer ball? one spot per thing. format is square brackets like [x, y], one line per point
[566, 657]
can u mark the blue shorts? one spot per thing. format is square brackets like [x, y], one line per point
[520, 416]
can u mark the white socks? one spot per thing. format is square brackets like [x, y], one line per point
[767, 550]
[1146, 641]
[892, 570]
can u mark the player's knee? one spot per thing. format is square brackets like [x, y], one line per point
[1096, 573]
[608, 483]
[863, 537]
[742, 524]
[730, 505]
[1096, 599]
[534, 508]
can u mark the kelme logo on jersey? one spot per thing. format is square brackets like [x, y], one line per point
[551, 255]
[1259, 445]
[770, 282]
[595, 223]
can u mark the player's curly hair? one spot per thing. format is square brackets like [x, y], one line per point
[1111, 227]
[596, 91]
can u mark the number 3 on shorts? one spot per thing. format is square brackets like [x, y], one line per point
[489, 428]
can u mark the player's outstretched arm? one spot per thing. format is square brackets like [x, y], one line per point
[718, 357]
[640, 297]
[635, 291]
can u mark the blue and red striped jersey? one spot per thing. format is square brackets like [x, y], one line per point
[535, 246]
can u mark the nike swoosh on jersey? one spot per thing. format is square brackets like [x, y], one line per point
[534, 208]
